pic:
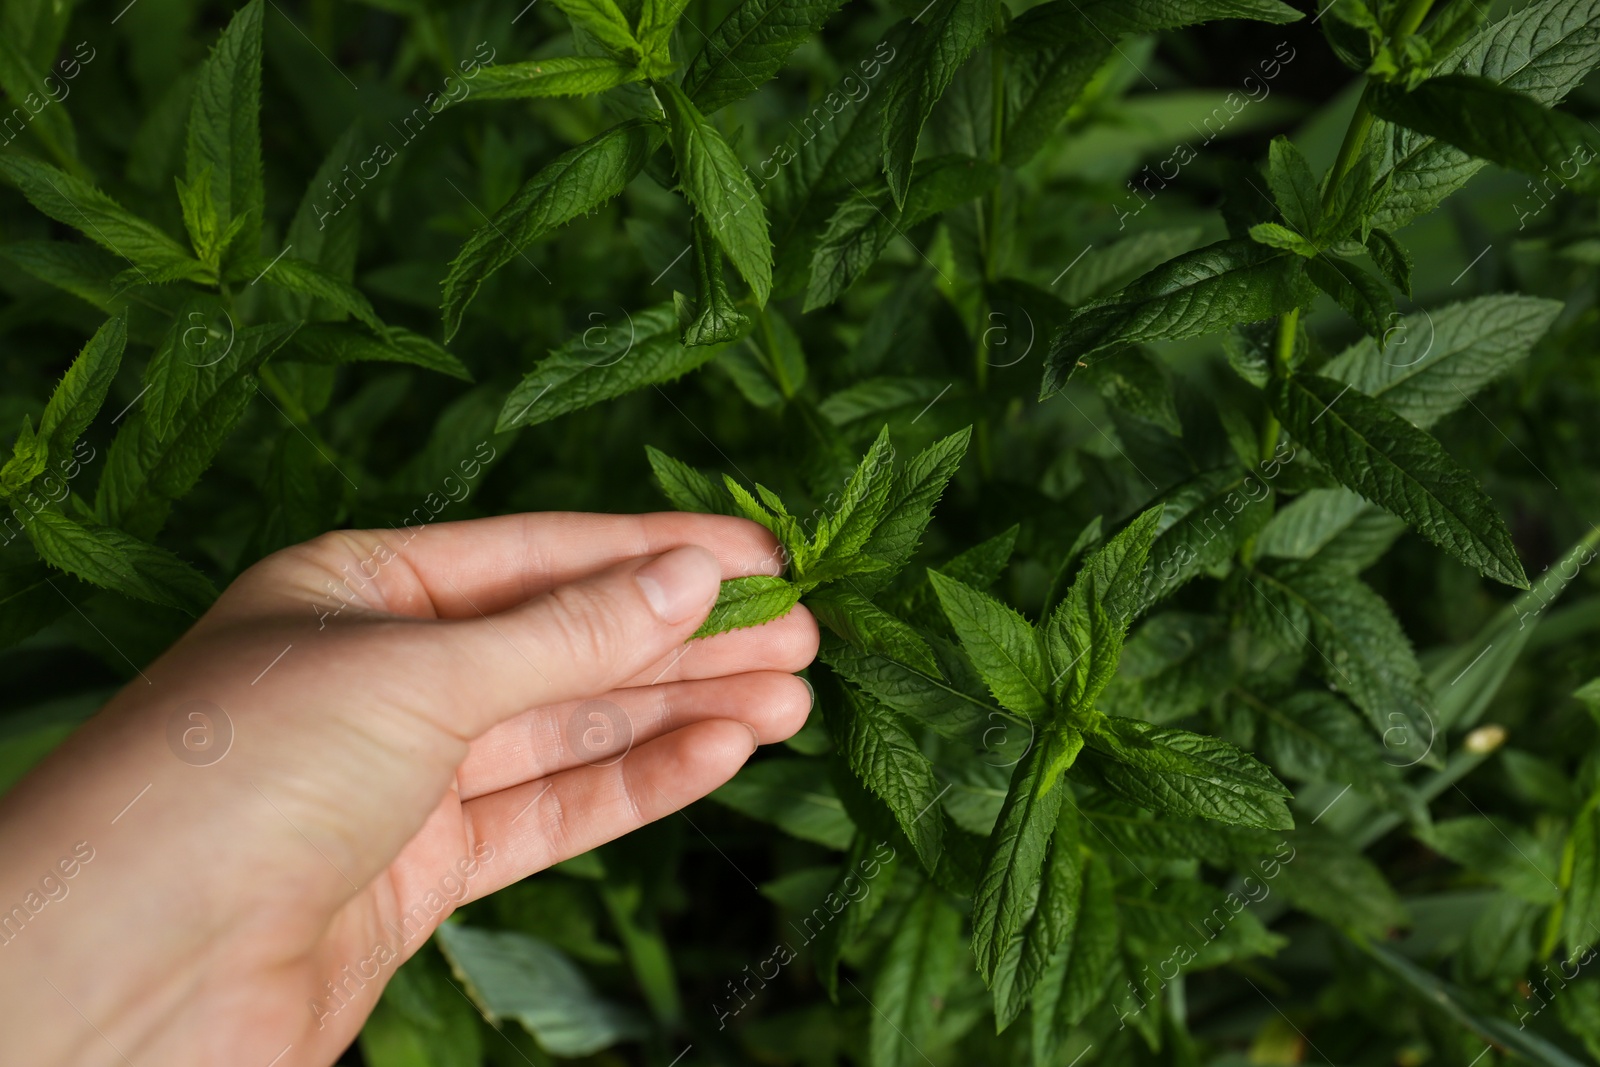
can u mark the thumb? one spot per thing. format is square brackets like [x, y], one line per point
[578, 640]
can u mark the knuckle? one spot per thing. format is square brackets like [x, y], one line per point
[557, 823]
[589, 624]
[628, 795]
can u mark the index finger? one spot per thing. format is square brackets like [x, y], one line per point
[453, 570]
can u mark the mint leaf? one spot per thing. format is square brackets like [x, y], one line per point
[1140, 834]
[1487, 120]
[941, 40]
[1047, 85]
[322, 231]
[782, 525]
[1499, 851]
[873, 630]
[1164, 916]
[868, 861]
[573, 184]
[719, 189]
[27, 603]
[335, 343]
[916, 489]
[1058, 47]
[1400, 468]
[114, 560]
[28, 460]
[886, 758]
[147, 470]
[853, 520]
[1274, 235]
[555, 76]
[981, 565]
[1113, 575]
[717, 320]
[1185, 774]
[605, 21]
[955, 709]
[878, 399]
[1581, 913]
[1441, 357]
[307, 279]
[1315, 737]
[657, 19]
[1294, 187]
[21, 80]
[224, 135]
[1543, 50]
[1199, 292]
[1139, 384]
[1326, 876]
[72, 266]
[1052, 924]
[82, 390]
[918, 971]
[1392, 259]
[1016, 853]
[1083, 639]
[1358, 647]
[1062, 21]
[589, 369]
[687, 488]
[1001, 643]
[1204, 521]
[78, 204]
[1364, 297]
[864, 224]
[1173, 666]
[1336, 527]
[1081, 971]
[856, 235]
[750, 601]
[749, 46]
[812, 177]
[510, 975]
[191, 341]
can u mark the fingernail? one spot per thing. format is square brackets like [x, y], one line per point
[755, 738]
[680, 584]
[811, 689]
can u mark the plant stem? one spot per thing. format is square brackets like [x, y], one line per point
[1410, 19]
[1355, 139]
[1282, 356]
[1557, 916]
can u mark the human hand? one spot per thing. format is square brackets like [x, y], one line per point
[401, 717]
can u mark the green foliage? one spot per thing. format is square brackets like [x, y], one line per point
[223, 153]
[1198, 293]
[1398, 467]
[1140, 712]
[573, 184]
[717, 187]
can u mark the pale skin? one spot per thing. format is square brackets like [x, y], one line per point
[391, 742]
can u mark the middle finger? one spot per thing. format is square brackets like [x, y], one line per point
[601, 731]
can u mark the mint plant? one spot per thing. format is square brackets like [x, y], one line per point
[1176, 414]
